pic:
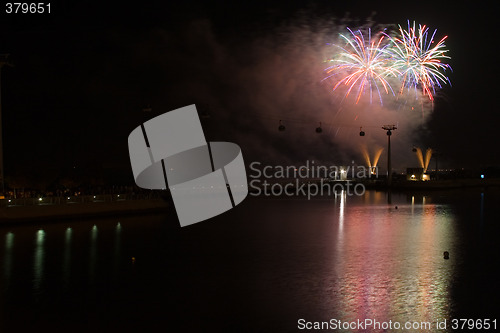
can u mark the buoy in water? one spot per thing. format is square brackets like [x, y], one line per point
[446, 255]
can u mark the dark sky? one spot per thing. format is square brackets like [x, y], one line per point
[83, 74]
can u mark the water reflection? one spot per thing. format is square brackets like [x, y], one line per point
[38, 259]
[67, 256]
[389, 262]
[341, 205]
[93, 253]
[341, 211]
[349, 258]
[118, 230]
[481, 212]
[7, 262]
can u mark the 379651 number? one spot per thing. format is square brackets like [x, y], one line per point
[474, 324]
[27, 8]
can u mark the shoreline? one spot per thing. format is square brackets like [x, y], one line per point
[47, 213]
[446, 184]
[292, 185]
[14, 215]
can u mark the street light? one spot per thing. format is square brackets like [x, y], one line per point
[389, 128]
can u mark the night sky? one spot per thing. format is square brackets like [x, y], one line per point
[84, 73]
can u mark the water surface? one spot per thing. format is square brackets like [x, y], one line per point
[259, 267]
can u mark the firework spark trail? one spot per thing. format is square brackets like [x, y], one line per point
[365, 63]
[417, 61]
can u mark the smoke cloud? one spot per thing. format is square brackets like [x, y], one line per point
[248, 85]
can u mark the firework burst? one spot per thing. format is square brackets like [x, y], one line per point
[412, 57]
[418, 59]
[363, 64]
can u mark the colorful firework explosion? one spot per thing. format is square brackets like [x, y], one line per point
[412, 57]
[417, 59]
[365, 64]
